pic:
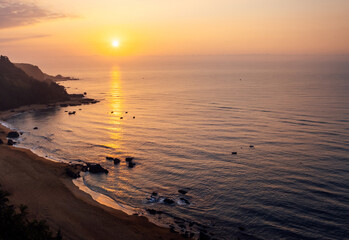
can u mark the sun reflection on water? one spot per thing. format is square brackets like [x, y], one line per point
[116, 110]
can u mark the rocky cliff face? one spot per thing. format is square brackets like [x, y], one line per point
[17, 88]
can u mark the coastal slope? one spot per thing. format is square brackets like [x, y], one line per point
[35, 72]
[49, 193]
[18, 89]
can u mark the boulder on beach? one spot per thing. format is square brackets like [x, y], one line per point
[72, 173]
[13, 134]
[97, 168]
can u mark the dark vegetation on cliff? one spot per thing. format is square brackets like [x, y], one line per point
[15, 225]
[17, 88]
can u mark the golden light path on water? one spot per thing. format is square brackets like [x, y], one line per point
[115, 121]
[117, 110]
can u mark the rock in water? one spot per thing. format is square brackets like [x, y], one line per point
[13, 135]
[129, 159]
[97, 168]
[131, 164]
[109, 158]
[184, 200]
[1, 142]
[116, 161]
[182, 191]
[234, 153]
[168, 201]
[10, 142]
[35, 128]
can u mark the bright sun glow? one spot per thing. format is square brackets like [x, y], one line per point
[115, 43]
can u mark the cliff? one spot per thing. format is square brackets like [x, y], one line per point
[18, 88]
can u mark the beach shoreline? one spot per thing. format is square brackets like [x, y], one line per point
[51, 195]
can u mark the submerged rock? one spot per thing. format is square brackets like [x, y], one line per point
[97, 168]
[13, 135]
[184, 200]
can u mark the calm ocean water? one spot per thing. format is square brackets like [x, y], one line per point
[189, 118]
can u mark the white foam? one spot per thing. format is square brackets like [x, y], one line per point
[101, 198]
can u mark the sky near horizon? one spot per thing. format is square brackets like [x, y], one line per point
[87, 28]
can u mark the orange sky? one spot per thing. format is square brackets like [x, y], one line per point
[75, 28]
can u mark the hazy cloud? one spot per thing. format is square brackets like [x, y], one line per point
[14, 39]
[15, 13]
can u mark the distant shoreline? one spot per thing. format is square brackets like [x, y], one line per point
[51, 195]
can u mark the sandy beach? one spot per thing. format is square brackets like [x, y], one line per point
[50, 194]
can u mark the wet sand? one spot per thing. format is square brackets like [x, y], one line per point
[50, 194]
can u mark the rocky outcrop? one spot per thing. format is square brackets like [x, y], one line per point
[13, 135]
[18, 89]
[96, 168]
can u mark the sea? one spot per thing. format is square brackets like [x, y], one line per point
[259, 143]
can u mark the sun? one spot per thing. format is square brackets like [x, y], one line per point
[115, 43]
